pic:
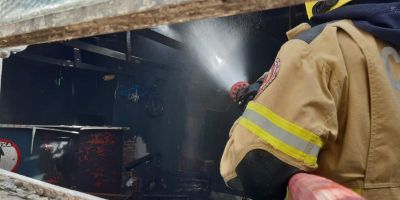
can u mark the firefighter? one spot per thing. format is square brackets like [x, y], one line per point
[330, 106]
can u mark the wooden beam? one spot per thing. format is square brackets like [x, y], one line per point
[123, 15]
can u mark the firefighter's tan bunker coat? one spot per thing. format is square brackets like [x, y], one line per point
[331, 107]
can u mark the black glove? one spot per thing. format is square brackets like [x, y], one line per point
[248, 94]
[263, 176]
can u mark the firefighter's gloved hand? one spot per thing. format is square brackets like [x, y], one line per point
[263, 176]
[242, 92]
[248, 94]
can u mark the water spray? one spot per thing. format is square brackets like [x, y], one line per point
[218, 47]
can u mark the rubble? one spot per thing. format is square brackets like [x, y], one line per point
[16, 190]
[17, 187]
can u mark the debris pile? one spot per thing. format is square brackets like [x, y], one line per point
[17, 187]
[17, 190]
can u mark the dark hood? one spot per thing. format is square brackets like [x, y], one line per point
[380, 19]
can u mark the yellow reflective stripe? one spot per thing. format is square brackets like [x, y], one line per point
[280, 134]
[292, 128]
[357, 190]
[278, 144]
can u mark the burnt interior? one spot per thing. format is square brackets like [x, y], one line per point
[182, 116]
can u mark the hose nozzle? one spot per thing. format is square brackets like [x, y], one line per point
[237, 90]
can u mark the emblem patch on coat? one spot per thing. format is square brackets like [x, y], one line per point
[272, 74]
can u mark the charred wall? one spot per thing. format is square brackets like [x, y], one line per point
[196, 113]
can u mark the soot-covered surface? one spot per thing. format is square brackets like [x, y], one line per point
[183, 113]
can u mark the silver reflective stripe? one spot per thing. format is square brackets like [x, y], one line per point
[280, 134]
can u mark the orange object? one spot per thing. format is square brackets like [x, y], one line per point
[304, 186]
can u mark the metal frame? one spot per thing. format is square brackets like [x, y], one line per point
[128, 54]
[62, 126]
[160, 38]
[64, 63]
[101, 50]
[57, 128]
[127, 57]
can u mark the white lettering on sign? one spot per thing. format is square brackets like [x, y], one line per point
[10, 156]
[5, 144]
[386, 53]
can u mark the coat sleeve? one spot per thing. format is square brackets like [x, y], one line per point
[296, 110]
[295, 113]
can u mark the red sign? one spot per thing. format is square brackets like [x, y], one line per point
[10, 155]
